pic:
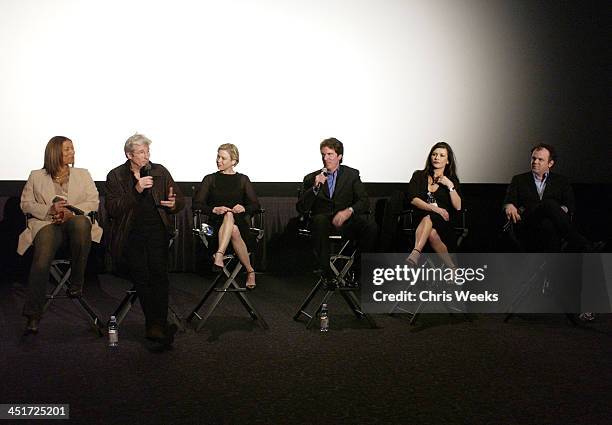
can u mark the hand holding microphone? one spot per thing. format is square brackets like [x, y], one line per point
[145, 181]
[321, 178]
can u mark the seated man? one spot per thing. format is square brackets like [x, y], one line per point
[542, 202]
[335, 196]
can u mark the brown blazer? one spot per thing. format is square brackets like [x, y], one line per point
[37, 197]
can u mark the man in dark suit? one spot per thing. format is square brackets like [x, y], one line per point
[336, 197]
[542, 202]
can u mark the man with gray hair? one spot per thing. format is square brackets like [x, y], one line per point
[141, 198]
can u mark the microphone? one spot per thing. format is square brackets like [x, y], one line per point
[145, 170]
[75, 210]
[325, 173]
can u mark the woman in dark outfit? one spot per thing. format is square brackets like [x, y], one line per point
[140, 199]
[434, 192]
[228, 198]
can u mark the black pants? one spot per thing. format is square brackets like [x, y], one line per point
[147, 254]
[75, 234]
[357, 228]
[545, 226]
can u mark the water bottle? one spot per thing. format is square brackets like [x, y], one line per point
[207, 229]
[324, 318]
[113, 332]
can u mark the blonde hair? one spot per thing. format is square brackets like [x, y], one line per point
[232, 150]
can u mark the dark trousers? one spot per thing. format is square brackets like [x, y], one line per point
[545, 226]
[147, 254]
[76, 234]
[543, 230]
[357, 228]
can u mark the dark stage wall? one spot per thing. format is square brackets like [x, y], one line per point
[284, 251]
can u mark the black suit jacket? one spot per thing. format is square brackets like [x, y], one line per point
[522, 191]
[349, 192]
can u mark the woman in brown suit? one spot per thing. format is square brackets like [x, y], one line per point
[49, 198]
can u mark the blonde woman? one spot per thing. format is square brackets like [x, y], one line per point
[228, 197]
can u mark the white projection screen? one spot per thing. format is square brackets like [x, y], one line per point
[388, 78]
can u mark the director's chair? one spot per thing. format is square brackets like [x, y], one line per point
[225, 281]
[341, 261]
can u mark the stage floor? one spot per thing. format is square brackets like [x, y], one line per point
[535, 369]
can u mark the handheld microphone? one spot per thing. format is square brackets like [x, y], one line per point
[325, 173]
[75, 210]
[145, 170]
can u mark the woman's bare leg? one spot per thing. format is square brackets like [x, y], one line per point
[242, 253]
[225, 233]
[421, 236]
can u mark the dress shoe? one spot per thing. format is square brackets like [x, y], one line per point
[329, 283]
[161, 341]
[32, 325]
[75, 291]
[594, 247]
[171, 330]
[349, 282]
[586, 317]
[350, 285]
[156, 346]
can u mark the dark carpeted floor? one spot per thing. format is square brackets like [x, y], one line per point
[533, 370]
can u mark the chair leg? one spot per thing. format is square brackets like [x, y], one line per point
[307, 300]
[62, 279]
[250, 308]
[126, 304]
[174, 317]
[194, 313]
[315, 314]
[352, 300]
[229, 285]
[98, 326]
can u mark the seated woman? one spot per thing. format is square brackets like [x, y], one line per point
[49, 197]
[434, 192]
[228, 198]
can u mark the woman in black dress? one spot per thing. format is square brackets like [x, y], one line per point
[228, 198]
[434, 192]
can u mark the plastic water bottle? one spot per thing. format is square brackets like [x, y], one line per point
[113, 332]
[324, 318]
[207, 229]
